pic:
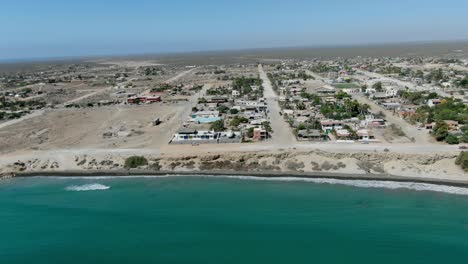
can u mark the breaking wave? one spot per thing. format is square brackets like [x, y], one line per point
[393, 185]
[87, 187]
[368, 184]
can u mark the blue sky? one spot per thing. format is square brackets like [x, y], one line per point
[50, 28]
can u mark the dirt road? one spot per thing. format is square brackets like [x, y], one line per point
[176, 122]
[21, 119]
[180, 75]
[282, 134]
[420, 136]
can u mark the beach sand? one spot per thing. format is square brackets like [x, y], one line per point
[362, 165]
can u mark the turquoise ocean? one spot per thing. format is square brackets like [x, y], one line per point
[230, 220]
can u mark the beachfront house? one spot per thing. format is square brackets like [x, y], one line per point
[187, 134]
[312, 134]
[365, 135]
[342, 134]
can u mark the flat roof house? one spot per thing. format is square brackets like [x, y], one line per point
[433, 102]
[328, 126]
[260, 134]
[312, 134]
[205, 114]
[365, 134]
[187, 134]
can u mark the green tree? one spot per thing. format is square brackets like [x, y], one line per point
[250, 132]
[223, 109]
[378, 86]
[440, 130]
[267, 126]
[464, 83]
[218, 126]
[237, 120]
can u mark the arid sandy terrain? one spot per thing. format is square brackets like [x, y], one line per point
[62, 139]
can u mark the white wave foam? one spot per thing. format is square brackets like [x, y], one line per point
[393, 185]
[87, 187]
[368, 184]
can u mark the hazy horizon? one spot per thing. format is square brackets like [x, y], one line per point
[52, 28]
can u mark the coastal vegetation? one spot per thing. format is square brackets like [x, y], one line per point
[135, 162]
[462, 160]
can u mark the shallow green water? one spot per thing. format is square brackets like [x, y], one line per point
[207, 220]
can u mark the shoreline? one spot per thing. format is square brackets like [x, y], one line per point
[256, 174]
[371, 166]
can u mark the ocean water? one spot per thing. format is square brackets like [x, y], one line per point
[230, 220]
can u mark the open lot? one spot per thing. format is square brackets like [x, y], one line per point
[130, 126]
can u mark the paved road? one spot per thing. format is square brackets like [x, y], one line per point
[282, 134]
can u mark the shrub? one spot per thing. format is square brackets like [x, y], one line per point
[440, 130]
[462, 160]
[397, 130]
[452, 140]
[135, 162]
[464, 138]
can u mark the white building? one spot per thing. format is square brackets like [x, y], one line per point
[433, 102]
[192, 134]
[391, 91]
[206, 114]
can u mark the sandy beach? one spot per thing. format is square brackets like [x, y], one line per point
[433, 168]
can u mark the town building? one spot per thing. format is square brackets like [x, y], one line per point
[260, 134]
[312, 135]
